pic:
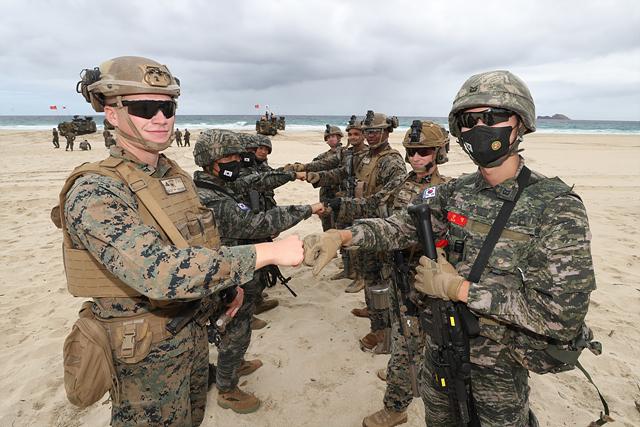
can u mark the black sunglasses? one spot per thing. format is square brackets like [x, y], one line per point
[422, 151]
[148, 108]
[490, 117]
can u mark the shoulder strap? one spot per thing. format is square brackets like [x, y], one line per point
[496, 228]
[137, 182]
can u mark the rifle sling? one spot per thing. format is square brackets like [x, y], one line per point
[496, 228]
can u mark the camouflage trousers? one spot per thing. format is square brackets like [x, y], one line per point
[169, 386]
[236, 339]
[370, 268]
[500, 390]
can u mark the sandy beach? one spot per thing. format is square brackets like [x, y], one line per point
[314, 373]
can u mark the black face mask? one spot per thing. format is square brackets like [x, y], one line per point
[486, 145]
[248, 159]
[229, 171]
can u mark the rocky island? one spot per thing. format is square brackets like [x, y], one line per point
[555, 117]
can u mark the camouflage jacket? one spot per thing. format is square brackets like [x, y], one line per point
[330, 159]
[264, 179]
[234, 218]
[537, 282]
[102, 216]
[389, 173]
[340, 174]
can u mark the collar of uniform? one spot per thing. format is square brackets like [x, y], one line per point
[207, 177]
[506, 190]
[157, 172]
[424, 180]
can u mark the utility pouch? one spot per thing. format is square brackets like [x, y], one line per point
[131, 337]
[89, 371]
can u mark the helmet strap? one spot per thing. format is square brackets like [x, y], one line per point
[138, 138]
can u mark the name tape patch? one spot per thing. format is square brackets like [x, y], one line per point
[173, 185]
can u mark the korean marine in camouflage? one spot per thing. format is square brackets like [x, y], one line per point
[534, 290]
[218, 153]
[138, 241]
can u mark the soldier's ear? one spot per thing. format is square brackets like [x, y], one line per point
[111, 115]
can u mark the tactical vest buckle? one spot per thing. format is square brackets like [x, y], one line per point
[129, 339]
[138, 185]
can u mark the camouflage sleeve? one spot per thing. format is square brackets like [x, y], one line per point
[550, 295]
[392, 174]
[236, 221]
[398, 231]
[263, 181]
[102, 215]
[330, 161]
[331, 177]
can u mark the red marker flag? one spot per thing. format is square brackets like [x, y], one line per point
[257, 106]
[53, 107]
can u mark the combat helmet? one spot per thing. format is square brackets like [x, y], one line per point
[214, 144]
[332, 130]
[500, 89]
[264, 141]
[427, 134]
[126, 75]
[379, 121]
[247, 141]
[354, 123]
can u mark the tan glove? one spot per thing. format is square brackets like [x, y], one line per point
[298, 167]
[438, 279]
[313, 177]
[288, 167]
[320, 248]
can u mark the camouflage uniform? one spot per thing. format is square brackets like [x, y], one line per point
[178, 135]
[536, 285]
[388, 174]
[238, 224]
[187, 137]
[70, 137]
[169, 385]
[328, 160]
[56, 138]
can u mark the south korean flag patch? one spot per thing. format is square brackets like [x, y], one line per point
[429, 193]
[243, 207]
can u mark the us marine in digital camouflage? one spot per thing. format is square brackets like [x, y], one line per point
[344, 176]
[141, 245]
[533, 292]
[218, 153]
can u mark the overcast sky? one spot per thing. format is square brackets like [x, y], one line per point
[580, 58]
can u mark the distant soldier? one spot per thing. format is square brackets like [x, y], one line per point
[70, 137]
[187, 135]
[178, 135]
[84, 145]
[56, 138]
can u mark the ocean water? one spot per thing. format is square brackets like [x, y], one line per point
[305, 123]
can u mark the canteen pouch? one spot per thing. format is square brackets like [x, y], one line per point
[89, 371]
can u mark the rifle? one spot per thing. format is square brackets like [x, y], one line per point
[407, 313]
[350, 180]
[450, 327]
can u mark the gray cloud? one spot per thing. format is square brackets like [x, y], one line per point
[581, 58]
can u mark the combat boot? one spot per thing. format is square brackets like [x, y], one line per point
[360, 312]
[266, 305]
[385, 418]
[339, 275]
[248, 367]
[238, 401]
[212, 376]
[355, 286]
[377, 342]
[257, 323]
